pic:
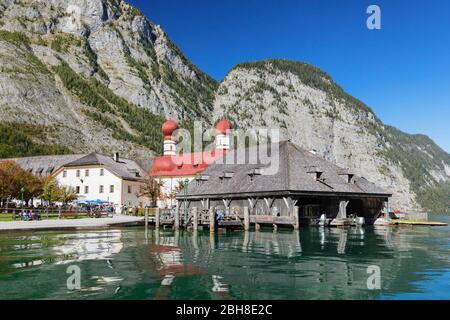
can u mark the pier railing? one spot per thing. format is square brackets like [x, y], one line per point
[28, 214]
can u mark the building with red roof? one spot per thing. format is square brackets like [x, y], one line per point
[172, 169]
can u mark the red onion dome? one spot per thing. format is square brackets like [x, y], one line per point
[223, 126]
[169, 127]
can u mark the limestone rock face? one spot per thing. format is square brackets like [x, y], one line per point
[315, 113]
[109, 41]
[96, 75]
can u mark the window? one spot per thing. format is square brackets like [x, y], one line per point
[102, 172]
[77, 189]
[111, 188]
[86, 189]
[129, 189]
[78, 173]
[101, 189]
[86, 173]
[64, 174]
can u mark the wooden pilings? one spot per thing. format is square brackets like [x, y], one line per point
[212, 220]
[199, 218]
[195, 218]
[246, 219]
[158, 218]
[296, 218]
[146, 223]
[176, 223]
[146, 218]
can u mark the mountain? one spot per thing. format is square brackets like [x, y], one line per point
[96, 75]
[314, 112]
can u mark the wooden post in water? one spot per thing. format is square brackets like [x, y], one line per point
[157, 218]
[146, 218]
[195, 217]
[176, 223]
[146, 223]
[246, 219]
[296, 218]
[212, 220]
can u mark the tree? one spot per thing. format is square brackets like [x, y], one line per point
[8, 185]
[16, 182]
[175, 191]
[50, 189]
[152, 190]
[32, 185]
[67, 194]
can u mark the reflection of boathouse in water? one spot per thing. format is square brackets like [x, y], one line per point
[303, 180]
[234, 266]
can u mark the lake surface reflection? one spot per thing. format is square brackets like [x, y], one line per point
[314, 263]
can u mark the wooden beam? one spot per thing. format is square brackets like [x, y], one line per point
[269, 202]
[226, 203]
[252, 202]
[286, 202]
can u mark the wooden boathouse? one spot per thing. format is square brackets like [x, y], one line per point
[304, 188]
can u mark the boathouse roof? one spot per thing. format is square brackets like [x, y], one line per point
[298, 172]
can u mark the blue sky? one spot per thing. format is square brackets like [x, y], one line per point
[401, 71]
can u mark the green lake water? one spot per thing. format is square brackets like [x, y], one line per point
[314, 263]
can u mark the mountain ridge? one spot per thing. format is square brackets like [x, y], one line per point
[314, 111]
[98, 75]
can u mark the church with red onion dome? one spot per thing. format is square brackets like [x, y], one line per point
[172, 168]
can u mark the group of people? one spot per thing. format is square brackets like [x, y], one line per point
[132, 211]
[29, 216]
[97, 211]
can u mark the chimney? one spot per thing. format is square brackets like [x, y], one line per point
[116, 157]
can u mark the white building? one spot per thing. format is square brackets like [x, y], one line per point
[94, 176]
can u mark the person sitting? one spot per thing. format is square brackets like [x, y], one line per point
[24, 216]
[220, 215]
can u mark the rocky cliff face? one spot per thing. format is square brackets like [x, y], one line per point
[314, 112]
[80, 67]
[96, 75]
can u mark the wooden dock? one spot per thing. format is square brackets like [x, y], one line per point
[418, 223]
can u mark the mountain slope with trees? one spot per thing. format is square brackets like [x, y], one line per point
[96, 75]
